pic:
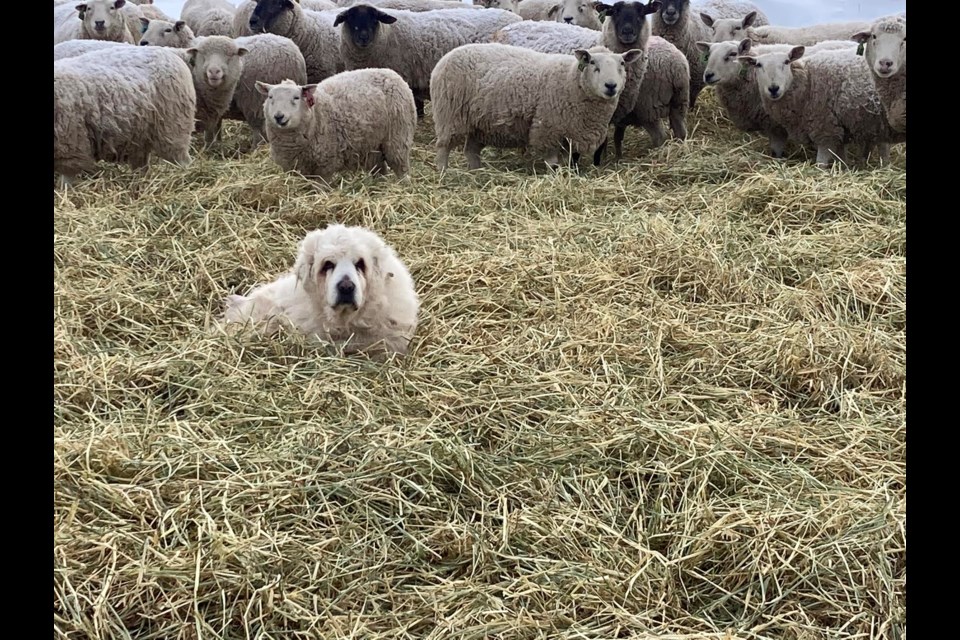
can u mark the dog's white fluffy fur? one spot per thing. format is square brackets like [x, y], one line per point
[347, 287]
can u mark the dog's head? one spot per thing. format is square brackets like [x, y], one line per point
[340, 267]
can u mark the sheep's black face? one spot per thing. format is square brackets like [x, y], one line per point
[672, 10]
[361, 24]
[267, 12]
[629, 19]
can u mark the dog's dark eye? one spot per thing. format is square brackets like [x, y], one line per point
[327, 266]
[361, 266]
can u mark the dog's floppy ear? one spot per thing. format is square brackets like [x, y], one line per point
[304, 267]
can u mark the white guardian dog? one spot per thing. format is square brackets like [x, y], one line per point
[347, 287]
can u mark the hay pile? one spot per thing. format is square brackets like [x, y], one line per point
[660, 401]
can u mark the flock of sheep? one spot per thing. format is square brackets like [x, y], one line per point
[334, 87]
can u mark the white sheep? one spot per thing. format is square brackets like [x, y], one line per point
[827, 99]
[582, 13]
[160, 33]
[417, 6]
[726, 29]
[538, 10]
[347, 287]
[735, 85]
[345, 122]
[682, 24]
[412, 43]
[885, 49]
[312, 31]
[74, 48]
[121, 105]
[209, 17]
[812, 34]
[92, 20]
[216, 65]
[476, 100]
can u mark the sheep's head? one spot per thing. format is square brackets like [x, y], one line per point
[774, 71]
[725, 29]
[603, 73]
[160, 33]
[506, 5]
[885, 46]
[723, 64]
[216, 59]
[673, 11]
[287, 103]
[102, 18]
[582, 13]
[340, 267]
[273, 16]
[630, 21]
[361, 24]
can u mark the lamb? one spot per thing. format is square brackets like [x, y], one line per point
[827, 99]
[160, 33]
[582, 13]
[347, 287]
[208, 17]
[736, 85]
[812, 34]
[682, 25]
[412, 43]
[885, 50]
[661, 94]
[121, 104]
[345, 122]
[476, 99]
[506, 5]
[215, 63]
[726, 29]
[91, 20]
[312, 31]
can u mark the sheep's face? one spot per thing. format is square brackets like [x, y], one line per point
[339, 267]
[603, 74]
[729, 28]
[885, 47]
[506, 5]
[287, 103]
[722, 63]
[581, 13]
[215, 59]
[774, 72]
[672, 11]
[272, 16]
[361, 24]
[102, 18]
[160, 33]
[629, 20]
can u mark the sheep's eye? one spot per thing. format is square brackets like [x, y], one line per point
[736, 28]
[581, 9]
[327, 266]
[295, 98]
[168, 30]
[361, 266]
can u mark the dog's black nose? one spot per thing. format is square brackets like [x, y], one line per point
[346, 286]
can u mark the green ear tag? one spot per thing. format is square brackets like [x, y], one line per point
[860, 49]
[581, 66]
[705, 57]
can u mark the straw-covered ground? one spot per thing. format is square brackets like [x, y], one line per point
[665, 400]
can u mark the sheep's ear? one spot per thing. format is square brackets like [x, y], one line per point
[750, 60]
[861, 37]
[603, 8]
[144, 23]
[632, 55]
[179, 25]
[703, 46]
[262, 87]
[81, 9]
[553, 10]
[796, 53]
[307, 92]
[191, 54]
[744, 46]
[583, 56]
[342, 17]
[119, 3]
[385, 18]
[653, 7]
[242, 52]
[749, 19]
[707, 20]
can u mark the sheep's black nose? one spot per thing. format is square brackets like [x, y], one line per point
[774, 89]
[144, 43]
[279, 118]
[612, 86]
[708, 76]
[568, 20]
[98, 24]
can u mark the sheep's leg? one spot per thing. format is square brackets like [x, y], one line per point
[139, 159]
[827, 152]
[211, 132]
[778, 144]
[618, 134]
[420, 112]
[472, 151]
[657, 135]
[884, 148]
[443, 153]
[598, 154]
[694, 92]
[678, 123]
[552, 158]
